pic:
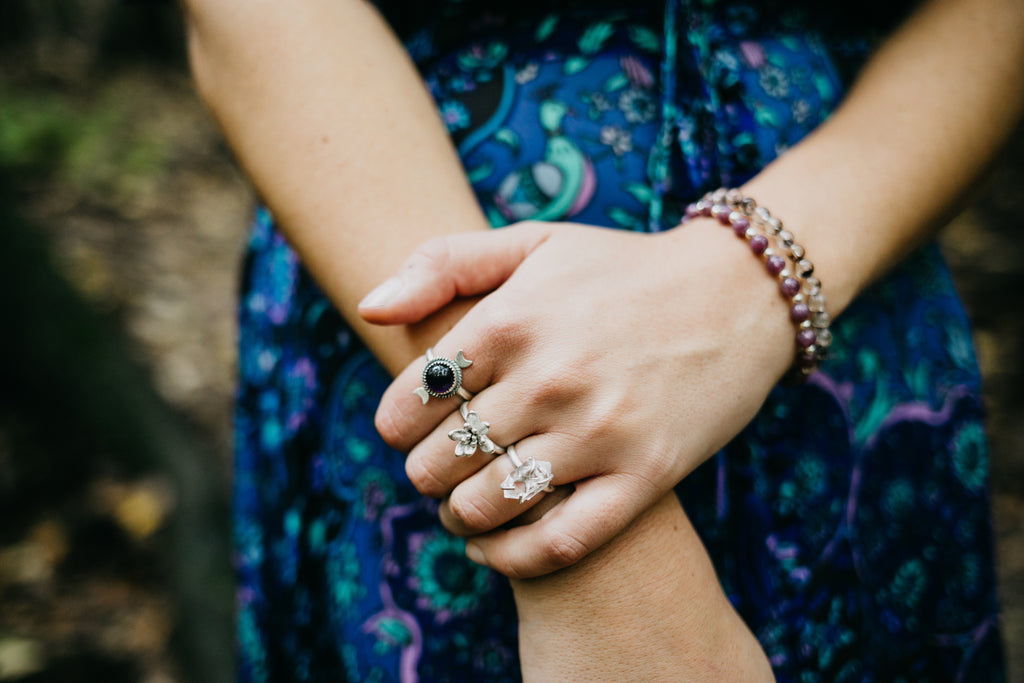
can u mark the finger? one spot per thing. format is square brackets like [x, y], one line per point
[447, 267]
[404, 418]
[433, 466]
[547, 503]
[478, 504]
[598, 510]
[494, 417]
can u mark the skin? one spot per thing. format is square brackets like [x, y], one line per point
[923, 122]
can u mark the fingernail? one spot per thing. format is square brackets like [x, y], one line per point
[474, 553]
[384, 294]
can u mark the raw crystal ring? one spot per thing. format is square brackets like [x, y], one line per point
[527, 479]
[473, 434]
[442, 377]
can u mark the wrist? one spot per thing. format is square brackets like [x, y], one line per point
[747, 303]
[785, 260]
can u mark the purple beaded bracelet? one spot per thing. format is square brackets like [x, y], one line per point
[784, 259]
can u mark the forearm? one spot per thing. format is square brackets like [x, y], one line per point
[329, 118]
[646, 606]
[920, 126]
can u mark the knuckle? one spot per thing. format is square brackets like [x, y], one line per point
[548, 388]
[434, 254]
[562, 549]
[425, 479]
[387, 425]
[509, 565]
[510, 570]
[502, 327]
[608, 419]
[470, 513]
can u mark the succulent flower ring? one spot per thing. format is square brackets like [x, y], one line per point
[472, 435]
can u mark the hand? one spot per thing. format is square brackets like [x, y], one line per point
[623, 359]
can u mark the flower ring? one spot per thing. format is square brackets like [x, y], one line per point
[472, 435]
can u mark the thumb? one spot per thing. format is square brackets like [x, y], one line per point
[447, 267]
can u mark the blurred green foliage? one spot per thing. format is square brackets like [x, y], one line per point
[87, 144]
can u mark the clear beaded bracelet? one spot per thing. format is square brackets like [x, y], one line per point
[784, 259]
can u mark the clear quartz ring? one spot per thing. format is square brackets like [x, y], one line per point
[527, 479]
[442, 377]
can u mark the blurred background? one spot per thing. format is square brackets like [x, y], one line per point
[124, 219]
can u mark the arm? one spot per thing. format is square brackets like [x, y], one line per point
[327, 115]
[334, 151]
[925, 119]
[920, 127]
[646, 606]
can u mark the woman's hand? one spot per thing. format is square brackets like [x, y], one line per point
[624, 360]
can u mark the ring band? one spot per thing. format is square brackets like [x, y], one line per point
[442, 377]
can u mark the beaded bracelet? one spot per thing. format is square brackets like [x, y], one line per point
[784, 259]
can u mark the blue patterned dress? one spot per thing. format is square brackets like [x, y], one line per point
[849, 523]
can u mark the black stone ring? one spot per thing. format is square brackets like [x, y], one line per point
[442, 377]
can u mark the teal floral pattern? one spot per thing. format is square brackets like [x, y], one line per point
[848, 522]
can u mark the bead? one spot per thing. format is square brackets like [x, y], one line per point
[806, 338]
[784, 258]
[738, 221]
[789, 286]
[721, 212]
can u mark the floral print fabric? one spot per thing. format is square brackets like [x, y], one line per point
[848, 523]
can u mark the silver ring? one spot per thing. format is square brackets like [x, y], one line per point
[528, 478]
[442, 377]
[472, 435]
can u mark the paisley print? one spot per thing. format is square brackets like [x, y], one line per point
[848, 522]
